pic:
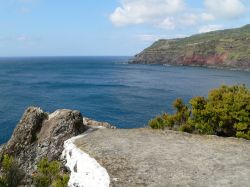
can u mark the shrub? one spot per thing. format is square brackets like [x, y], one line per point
[168, 121]
[229, 110]
[156, 123]
[241, 134]
[48, 173]
[62, 181]
[11, 174]
[182, 112]
[186, 128]
[200, 118]
[226, 112]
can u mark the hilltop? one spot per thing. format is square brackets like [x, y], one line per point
[224, 48]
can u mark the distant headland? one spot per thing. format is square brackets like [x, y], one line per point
[221, 49]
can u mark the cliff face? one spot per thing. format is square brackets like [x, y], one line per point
[226, 48]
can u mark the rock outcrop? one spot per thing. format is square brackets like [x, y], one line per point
[147, 157]
[40, 135]
[92, 123]
[223, 49]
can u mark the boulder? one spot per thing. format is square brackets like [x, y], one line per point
[39, 135]
[92, 123]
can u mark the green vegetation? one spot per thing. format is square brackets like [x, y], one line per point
[226, 112]
[11, 174]
[228, 48]
[48, 174]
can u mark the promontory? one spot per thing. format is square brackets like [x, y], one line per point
[222, 49]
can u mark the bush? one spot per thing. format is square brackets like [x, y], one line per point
[226, 112]
[156, 123]
[168, 121]
[186, 128]
[11, 174]
[62, 181]
[182, 112]
[163, 121]
[48, 173]
[243, 135]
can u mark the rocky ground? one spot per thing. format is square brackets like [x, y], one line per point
[145, 157]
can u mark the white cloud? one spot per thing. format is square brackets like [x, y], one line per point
[179, 14]
[154, 37]
[189, 19]
[18, 39]
[144, 11]
[209, 28]
[226, 9]
[150, 37]
[207, 17]
[168, 24]
[22, 38]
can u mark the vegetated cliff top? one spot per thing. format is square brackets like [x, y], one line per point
[224, 48]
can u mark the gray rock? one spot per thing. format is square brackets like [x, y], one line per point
[156, 158]
[40, 135]
[92, 123]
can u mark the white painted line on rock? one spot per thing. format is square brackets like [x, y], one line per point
[85, 171]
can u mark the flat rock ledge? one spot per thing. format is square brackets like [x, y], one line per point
[145, 157]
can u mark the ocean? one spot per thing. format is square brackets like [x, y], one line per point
[103, 88]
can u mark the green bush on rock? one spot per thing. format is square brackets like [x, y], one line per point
[226, 112]
[11, 174]
[49, 174]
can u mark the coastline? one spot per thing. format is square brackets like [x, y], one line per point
[194, 65]
[102, 155]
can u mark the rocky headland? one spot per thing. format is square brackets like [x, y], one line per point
[42, 135]
[220, 49]
[98, 154]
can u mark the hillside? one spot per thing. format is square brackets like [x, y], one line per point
[225, 48]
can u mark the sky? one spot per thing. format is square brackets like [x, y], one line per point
[108, 28]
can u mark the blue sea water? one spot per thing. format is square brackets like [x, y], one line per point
[103, 88]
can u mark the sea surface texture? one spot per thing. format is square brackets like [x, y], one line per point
[103, 88]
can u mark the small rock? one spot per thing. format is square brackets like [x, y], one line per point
[93, 123]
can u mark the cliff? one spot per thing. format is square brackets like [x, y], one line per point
[226, 48]
[99, 156]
